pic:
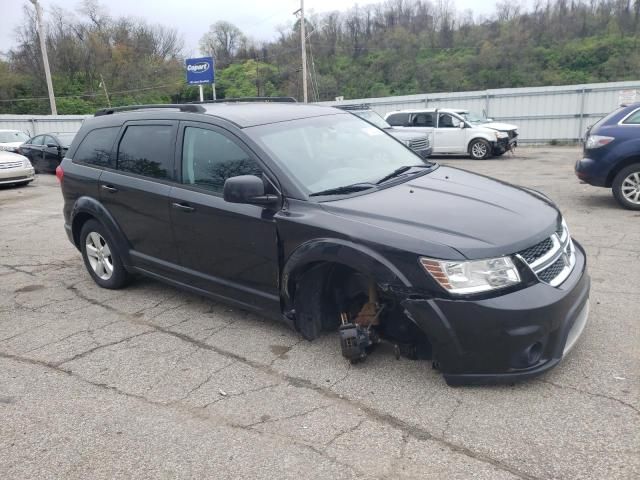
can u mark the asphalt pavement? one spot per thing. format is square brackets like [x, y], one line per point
[153, 382]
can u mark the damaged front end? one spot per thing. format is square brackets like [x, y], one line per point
[380, 319]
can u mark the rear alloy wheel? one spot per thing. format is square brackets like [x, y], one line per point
[101, 257]
[479, 149]
[626, 187]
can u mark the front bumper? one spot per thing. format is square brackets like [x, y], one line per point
[16, 175]
[507, 338]
[504, 145]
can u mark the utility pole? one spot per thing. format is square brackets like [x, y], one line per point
[303, 46]
[45, 59]
[104, 86]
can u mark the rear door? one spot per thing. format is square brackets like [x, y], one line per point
[226, 248]
[136, 193]
[50, 155]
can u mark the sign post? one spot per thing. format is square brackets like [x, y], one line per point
[201, 71]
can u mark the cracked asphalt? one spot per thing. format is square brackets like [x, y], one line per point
[152, 382]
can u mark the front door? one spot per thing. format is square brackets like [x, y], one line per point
[136, 193]
[225, 248]
[34, 151]
[448, 136]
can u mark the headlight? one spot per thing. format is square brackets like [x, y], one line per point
[475, 276]
[407, 143]
[502, 135]
[26, 163]
[597, 141]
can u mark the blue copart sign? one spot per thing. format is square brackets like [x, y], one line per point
[200, 70]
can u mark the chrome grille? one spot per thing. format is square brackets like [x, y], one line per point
[8, 165]
[553, 259]
[531, 254]
[547, 275]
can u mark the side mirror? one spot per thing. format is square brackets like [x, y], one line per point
[247, 189]
[462, 125]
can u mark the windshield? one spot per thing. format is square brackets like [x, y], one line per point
[472, 117]
[65, 138]
[372, 117]
[331, 151]
[12, 137]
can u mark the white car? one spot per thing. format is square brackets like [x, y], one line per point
[476, 119]
[10, 140]
[15, 169]
[452, 134]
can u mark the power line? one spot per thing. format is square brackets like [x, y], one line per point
[84, 95]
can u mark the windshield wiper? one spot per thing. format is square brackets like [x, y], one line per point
[399, 171]
[355, 187]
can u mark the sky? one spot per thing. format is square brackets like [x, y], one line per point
[256, 18]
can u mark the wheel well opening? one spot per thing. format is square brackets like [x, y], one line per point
[474, 140]
[620, 166]
[325, 291]
[76, 227]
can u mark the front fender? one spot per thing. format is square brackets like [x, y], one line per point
[343, 252]
[85, 207]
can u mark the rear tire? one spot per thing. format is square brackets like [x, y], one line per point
[101, 257]
[479, 149]
[626, 187]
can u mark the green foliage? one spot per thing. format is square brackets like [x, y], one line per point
[394, 48]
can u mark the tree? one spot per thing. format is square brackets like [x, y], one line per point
[222, 42]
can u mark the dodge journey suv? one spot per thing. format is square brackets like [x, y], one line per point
[313, 216]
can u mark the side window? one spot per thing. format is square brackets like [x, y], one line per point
[634, 119]
[48, 139]
[96, 147]
[398, 119]
[37, 140]
[423, 120]
[447, 121]
[209, 158]
[147, 150]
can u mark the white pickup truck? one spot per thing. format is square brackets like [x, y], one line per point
[451, 133]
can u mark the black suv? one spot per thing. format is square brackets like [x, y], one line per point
[309, 215]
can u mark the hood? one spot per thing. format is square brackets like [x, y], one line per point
[503, 127]
[8, 157]
[405, 134]
[478, 216]
[10, 145]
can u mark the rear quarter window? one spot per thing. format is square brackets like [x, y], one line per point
[633, 119]
[97, 147]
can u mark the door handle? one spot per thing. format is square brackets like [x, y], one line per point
[109, 188]
[183, 207]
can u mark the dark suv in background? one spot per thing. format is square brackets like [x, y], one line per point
[612, 155]
[309, 215]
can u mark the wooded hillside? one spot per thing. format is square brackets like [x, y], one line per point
[392, 48]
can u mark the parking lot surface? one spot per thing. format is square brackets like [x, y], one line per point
[152, 382]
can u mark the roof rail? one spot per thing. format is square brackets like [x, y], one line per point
[183, 107]
[250, 99]
[353, 106]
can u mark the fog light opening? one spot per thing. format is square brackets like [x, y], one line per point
[533, 353]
